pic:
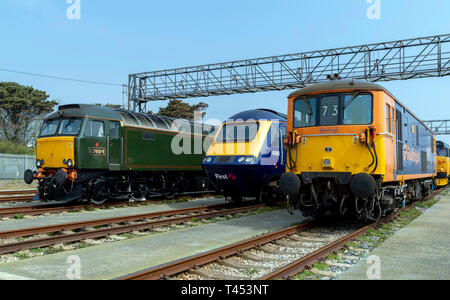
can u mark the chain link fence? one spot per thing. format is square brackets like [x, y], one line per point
[13, 166]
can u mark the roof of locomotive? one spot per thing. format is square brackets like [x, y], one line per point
[259, 114]
[85, 110]
[357, 85]
[128, 117]
[333, 85]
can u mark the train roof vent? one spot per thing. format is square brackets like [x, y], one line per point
[71, 106]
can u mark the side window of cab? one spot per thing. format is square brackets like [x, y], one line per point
[114, 130]
[95, 128]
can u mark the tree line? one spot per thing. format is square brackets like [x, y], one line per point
[22, 109]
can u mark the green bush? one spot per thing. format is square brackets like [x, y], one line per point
[11, 148]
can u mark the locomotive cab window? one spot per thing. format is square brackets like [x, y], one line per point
[241, 132]
[334, 109]
[357, 109]
[329, 110]
[392, 120]
[388, 120]
[114, 130]
[95, 129]
[305, 112]
[70, 127]
[61, 127]
[49, 127]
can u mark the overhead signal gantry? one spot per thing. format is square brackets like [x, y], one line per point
[397, 60]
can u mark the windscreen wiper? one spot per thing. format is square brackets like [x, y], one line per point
[70, 122]
[308, 105]
[355, 95]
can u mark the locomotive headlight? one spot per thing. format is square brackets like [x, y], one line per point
[208, 159]
[70, 163]
[241, 159]
[250, 159]
[38, 163]
[64, 162]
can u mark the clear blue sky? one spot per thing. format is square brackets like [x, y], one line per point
[115, 38]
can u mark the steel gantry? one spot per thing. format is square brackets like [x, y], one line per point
[397, 60]
[440, 127]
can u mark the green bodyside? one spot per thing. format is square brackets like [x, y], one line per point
[152, 150]
[143, 150]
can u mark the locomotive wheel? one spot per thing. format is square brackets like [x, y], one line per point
[98, 200]
[139, 195]
[96, 188]
[138, 198]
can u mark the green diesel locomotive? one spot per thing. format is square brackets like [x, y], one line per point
[99, 153]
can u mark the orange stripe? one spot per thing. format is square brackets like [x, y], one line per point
[414, 176]
[409, 177]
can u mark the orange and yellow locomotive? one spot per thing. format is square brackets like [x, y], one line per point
[353, 148]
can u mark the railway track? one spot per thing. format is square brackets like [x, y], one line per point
[12, 196]
[43, 209]
[74, 232]
[18, 192]
[36, 210]
[278, 255]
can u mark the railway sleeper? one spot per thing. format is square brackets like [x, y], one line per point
[115, 225]
[65, 232]
[287, 244]
[216, 276]
[306, 239]
[268, 251]
[237, 265]
[255, 258]
[311, 235]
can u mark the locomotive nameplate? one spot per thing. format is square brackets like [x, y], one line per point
[97, 151]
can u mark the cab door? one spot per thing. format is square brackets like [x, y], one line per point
[114, 146]
[93, 145]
